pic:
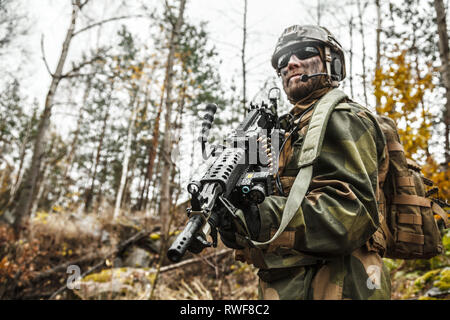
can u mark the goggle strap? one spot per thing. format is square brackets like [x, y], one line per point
[328, 60]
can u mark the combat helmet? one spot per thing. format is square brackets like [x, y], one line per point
[297, 35]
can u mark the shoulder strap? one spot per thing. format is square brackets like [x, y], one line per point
[308, 154]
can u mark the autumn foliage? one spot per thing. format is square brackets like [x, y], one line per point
[402, 86]
[17, 262]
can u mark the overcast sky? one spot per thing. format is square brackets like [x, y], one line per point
[266, 19]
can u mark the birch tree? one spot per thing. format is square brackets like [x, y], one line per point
[102, 103]
[378, 48]
[26, 197]
[126, 159]
[28, 192]
[361, 7]
[351, 25]
[244, 68]
[445, 71]
[166, 199]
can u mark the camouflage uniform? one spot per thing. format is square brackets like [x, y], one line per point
[327, 251]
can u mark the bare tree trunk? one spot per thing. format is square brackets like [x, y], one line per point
[3, 176]
[23, 152]
[146, 176]
[164, 245]
[41, 182]
[152, 154]
[144, 185]
[415, 54]
[155, 141]
[319, 9]
[164, 209]
[126, 157]
[90, 192]
[74, 144]
[445, 71]
[244, 70]
[361, 31]
[378, 48]
[41, 187]
[128, 184]
[99, 201]
[154, 198]
[192, 162]
[178, 128]
[173, 185]
[27, 194]
[351, 55]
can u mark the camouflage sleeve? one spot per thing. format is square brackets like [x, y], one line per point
[339, 212]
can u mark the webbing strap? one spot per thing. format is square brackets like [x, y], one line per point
[441, 213]
[395, 146]
[405, 181]
[410, 237]
[308, 154]
[409, 218]
[317, 127]
[412, 200]
[286, 239]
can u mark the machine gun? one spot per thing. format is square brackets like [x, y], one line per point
[242, 172]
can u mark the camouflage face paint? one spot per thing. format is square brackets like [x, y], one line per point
[290, 75]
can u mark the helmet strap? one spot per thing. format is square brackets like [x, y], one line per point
[328, 60]
[332, 83]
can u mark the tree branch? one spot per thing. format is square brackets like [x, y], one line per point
[43, 56]
[76, 75]
[193, 260]
[105, 21]
[81, 65]
[63, 267]
[80, 4]
[136, 237]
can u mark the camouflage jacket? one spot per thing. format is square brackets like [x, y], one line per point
[325, 253]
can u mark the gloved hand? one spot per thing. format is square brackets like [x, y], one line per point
[198, 244]
[227, 229]
[251, 213]
[229, 225]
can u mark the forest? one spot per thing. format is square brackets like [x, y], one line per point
[101, 105]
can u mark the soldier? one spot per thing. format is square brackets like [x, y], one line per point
[332, 247]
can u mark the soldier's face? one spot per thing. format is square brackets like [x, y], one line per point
[290, 75]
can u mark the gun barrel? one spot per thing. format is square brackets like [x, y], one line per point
[184, 239]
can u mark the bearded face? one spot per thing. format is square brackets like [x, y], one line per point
[290, 75]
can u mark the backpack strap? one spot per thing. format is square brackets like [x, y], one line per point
[406, 199]
[310, 151]
[437, 210]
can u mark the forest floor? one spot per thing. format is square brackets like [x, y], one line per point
[119, 260]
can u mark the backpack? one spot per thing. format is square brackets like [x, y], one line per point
[408, 224]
